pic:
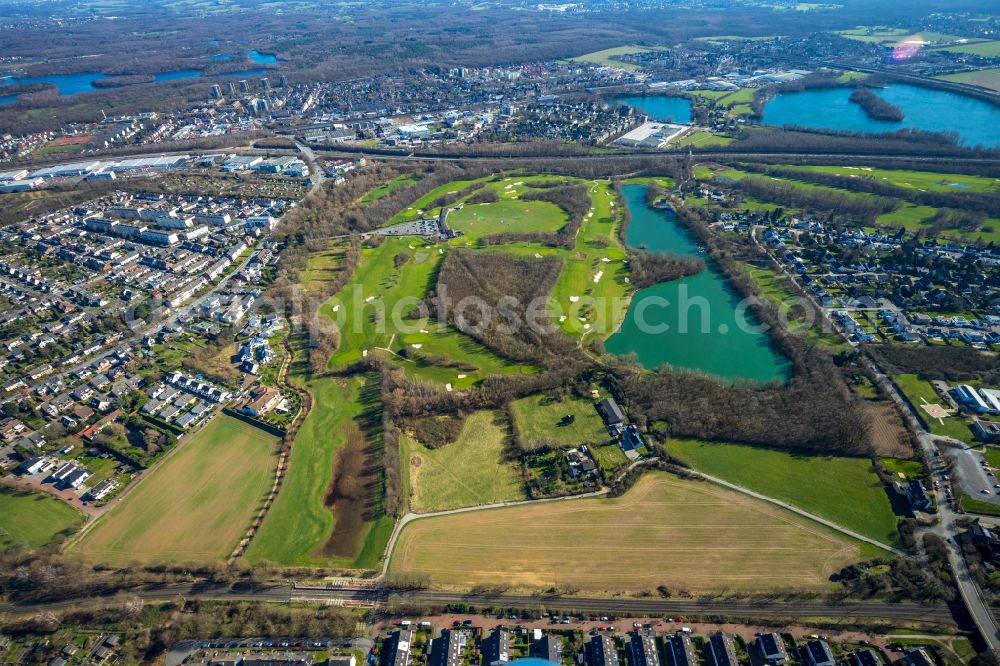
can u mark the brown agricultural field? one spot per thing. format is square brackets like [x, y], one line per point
[686, 535]
[195, 506]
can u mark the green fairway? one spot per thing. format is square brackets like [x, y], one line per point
[31, 520]
[920, 392]
[299, 523]
[195, 506]
[539, 419]
[843, 490]
[511, 216]
[397, 183]
[916, 180]
[371, 309]
[591, 290]
[471, 471]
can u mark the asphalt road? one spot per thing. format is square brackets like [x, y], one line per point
[622, 606]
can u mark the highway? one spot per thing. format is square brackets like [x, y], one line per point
[639, 607]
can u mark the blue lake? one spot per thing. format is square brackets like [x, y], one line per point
[659, 107]
[697, 322]
[82, 82]
[973, 120]
[262, 58]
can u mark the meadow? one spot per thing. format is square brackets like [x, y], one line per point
[843, 490]
[301, 522]
[196, 506]
[31, 520]
[686, 535]
[539, 418]
[607, 56]
[471, 471]
[987, 78]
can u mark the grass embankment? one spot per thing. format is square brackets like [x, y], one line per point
[664, 531]
[196, 506]
[842, 490]
[471, 471]
[920, 392]
[539, 419]
[31, 520]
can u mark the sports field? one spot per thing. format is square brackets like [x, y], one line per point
[470, 471]
[842, 490]
[32, 520]
[539, 419]
[664, 531]
[196, 506]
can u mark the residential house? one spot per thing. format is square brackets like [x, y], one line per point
[397, 649]
[641, 649]
[496, 648]
[818, 653]
[721, 650]
[771, 647]
[680, 650]
[601, 651]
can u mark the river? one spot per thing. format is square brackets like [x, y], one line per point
[720, 338]
[973, 120]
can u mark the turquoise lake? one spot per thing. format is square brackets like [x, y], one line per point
[975, 121]
[720, 339]
[658, 107]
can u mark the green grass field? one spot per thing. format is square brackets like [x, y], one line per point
[697, 139]
[910, 469]
[916, 180]
[843, 490]
[299, 523]
[195, 506]
[31, 520]
[920, 392]
[989, 49]
[594, 272]
[321, 268]
[689, 536]
[606, 57]
[537, 422]
[396, 183]
[987, 78]
[470, 471]
[509, 216]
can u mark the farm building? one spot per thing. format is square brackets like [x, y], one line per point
[612, 414]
